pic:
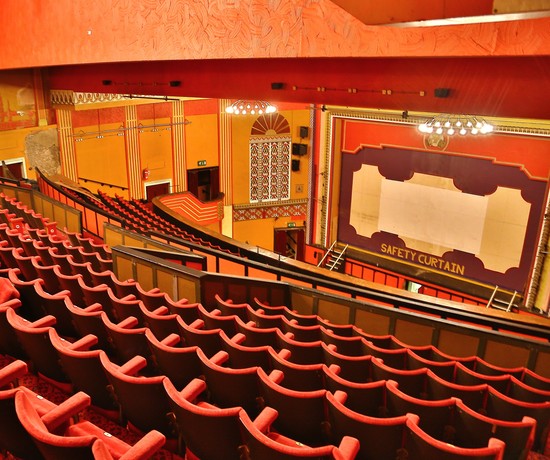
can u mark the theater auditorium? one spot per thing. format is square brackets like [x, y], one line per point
[274, 229]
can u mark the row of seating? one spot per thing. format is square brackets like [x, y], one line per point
[229, 387]
[207, 316]
[318, 418]
[143, 220]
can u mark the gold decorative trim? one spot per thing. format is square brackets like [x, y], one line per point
[72, 98]
[271, 204]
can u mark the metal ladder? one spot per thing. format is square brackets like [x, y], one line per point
[500, 304]
[334, 257]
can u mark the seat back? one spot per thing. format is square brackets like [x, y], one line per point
[143, 400]
[85, 371]
[379, 438]
[230, 387]
[13, 436]
[420, 446]
[301, 413]
[179, 364]
[472, 429]
[50, 445]
[196, 424]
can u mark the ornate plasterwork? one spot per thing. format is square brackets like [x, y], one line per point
[291, 208]
[73, 98]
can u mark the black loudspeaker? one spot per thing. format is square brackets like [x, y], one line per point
[299, 149]
[304, 132]
[442, 92]
[295, 165]
[277, 85]
[175, 83]
[107, 82]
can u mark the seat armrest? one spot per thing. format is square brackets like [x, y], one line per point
[193, 389]
[45, 321]
[145, 447]
[171, 340]
[128, 323]
[348, 448]
[276, 376]
[12, 371]
[133, 366]
[220, 357]
[84, 343]
[265, 418]
[67, 409]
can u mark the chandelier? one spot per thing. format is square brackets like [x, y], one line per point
[242, 107]
[455, 124]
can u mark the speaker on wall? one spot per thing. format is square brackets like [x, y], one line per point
[304, 132]
[277, 85]
[299, 149]
[295, 165]
[442, 92]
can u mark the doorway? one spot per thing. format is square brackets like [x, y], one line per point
[204, 183]
[156, 188]
[14, 168]
[289, 242]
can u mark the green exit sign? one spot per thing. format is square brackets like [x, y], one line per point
[201, 163]
[291, 224]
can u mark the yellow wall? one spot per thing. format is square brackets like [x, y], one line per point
[201, 140]
[156, 150]
[102, 160]
[255, 232]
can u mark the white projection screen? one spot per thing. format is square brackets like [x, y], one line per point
[445, 217]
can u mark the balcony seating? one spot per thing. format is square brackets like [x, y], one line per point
[356, 369]
[230, 387]
[379, 438]
[301, 413]
[197, 421]
[35, 341]
[420, 446]
[228, 308]
[412, 382]
[180, 364]
[261, 442]
[82, 440]
[13, 436]
[143, 402]
[301, 352]
[56, 306]
[208, 340]
[471, 429]
[364, 398]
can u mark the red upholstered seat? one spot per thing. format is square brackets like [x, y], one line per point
[82, 440]
[356, 369]
[302, 414]
[206, 431]
[13, 436]
[261, 442]
[379, 438]
[229, 387]
[179, 363]
[420, 446]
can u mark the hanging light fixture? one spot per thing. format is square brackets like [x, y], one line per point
[456, 124]
[242, 107]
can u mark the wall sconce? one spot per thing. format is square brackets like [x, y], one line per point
[242, 107]
[456, 124]
[145, 173]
